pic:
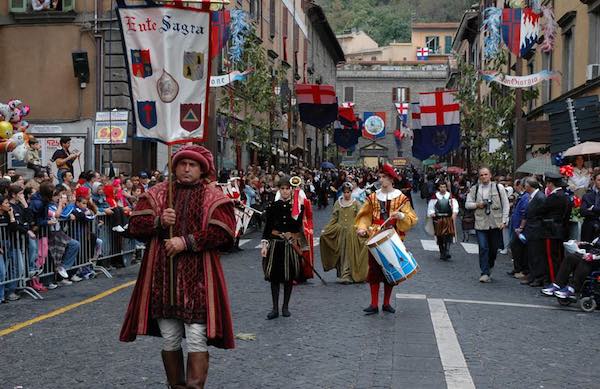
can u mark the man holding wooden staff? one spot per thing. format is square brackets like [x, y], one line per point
[181, 287]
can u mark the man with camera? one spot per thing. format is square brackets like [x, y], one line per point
[490, 202]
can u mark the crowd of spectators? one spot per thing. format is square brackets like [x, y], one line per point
[59, 218]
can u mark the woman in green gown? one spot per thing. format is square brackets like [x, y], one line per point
[340, 247]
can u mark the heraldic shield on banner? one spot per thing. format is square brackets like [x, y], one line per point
[190, 116]
[193, 65]
[140, 63]
[147, 113]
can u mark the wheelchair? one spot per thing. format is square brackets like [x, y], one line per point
[589, 297]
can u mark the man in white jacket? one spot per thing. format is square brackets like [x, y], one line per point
[490, 202]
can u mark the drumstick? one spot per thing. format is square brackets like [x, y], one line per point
[386, 221]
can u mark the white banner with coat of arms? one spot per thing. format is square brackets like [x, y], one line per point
[167, 52]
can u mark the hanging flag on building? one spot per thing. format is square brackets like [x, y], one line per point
[422, 53]
[345, 137]
[317, 104]
[402, 109]
[219, 30]
[168, 70]
[346, 115]
[415, 116]
[520, 29]
[440, 125]
[373, 125]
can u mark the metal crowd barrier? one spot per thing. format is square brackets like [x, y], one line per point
[17, 251]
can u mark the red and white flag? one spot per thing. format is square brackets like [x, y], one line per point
[439, 109]
[315, 94]
[416, 116]
[402, 108]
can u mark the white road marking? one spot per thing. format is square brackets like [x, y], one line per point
[471, 248]
[429, 245]
[415, 296]
[411, 296]
[519, 305]
[453, 361]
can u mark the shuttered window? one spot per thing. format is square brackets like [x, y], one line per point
[272, 19]
[401, 95]
[296, 37]
[348, 94]
[447, 44]
[284, 32]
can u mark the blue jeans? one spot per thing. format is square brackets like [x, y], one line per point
[489, 242]
[71, 252]
[16, 268]
[32, 252]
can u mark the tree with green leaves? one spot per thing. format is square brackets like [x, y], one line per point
[252, 104]
[485, 119]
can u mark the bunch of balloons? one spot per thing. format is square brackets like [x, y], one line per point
[13, 128]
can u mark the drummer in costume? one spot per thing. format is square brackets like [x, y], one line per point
[442, 211]
[386, 203]
[340, 247]
[281, 248]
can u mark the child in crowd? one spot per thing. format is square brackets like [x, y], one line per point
[86, 228]
[32, 157]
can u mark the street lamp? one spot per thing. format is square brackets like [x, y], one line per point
[277, 135]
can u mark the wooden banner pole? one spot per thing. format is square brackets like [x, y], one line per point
[170, 205]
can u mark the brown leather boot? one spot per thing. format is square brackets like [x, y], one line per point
[197, 370]
[173, 361]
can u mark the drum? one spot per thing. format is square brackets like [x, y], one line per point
[389, 251]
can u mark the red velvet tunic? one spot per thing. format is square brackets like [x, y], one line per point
[206, 221]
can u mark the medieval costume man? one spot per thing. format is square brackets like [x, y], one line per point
[387, 204]
[181, 289]
[340, 247]
[442, 211]
[281, 247]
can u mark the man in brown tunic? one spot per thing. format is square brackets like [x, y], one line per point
[181, 288]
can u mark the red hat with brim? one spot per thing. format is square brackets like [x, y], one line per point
[388, 170]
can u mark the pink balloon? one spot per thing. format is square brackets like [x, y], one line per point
[25, 110]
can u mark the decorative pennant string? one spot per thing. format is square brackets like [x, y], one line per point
[240, 28]
[491, 24]
[549, 29]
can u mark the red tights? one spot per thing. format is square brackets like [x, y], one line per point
[387, 293]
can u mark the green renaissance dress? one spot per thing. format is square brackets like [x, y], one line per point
[340, 247]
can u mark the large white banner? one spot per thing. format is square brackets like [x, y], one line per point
[167, 51]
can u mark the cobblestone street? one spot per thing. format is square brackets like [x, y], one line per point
[508, 334]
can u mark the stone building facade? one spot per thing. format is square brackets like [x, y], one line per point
[374, 78]
[372, 87]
